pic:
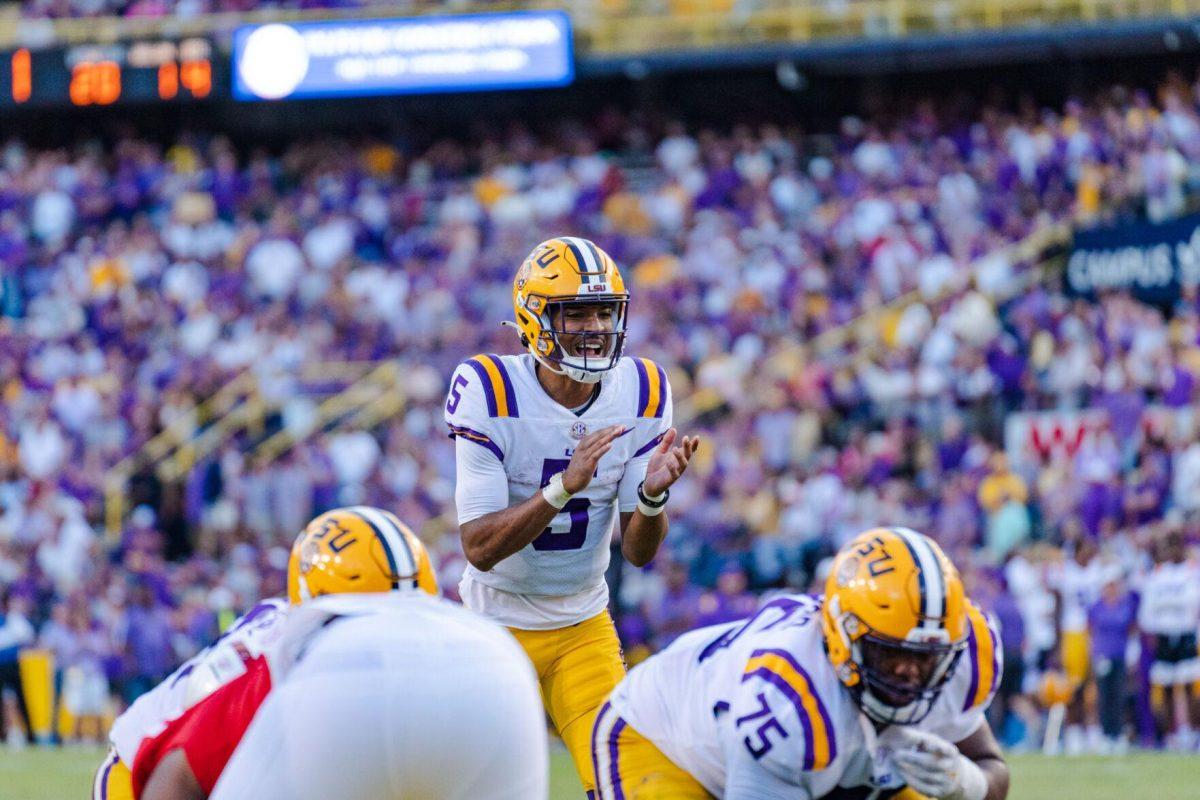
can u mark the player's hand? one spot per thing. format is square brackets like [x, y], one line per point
[587, 455]
[668, 462]
[934, 767]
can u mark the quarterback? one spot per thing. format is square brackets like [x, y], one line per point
[176, 740]
[552, 448]
[876, 690]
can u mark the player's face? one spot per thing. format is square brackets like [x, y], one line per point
[906, 672]
[582, 326]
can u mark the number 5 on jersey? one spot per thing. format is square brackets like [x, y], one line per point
[577, 507]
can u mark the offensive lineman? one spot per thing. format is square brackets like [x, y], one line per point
[550, 446]
[876, 690]
[176, 740]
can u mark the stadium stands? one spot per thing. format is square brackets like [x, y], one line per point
[852, 312]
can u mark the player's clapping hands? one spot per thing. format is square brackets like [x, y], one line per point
[587, 455]
[668, 462]
[934, 767]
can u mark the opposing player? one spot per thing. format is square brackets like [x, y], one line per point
[356, 549]
[386, 696]
[1170, 612]
[878, 689]
[551, 446]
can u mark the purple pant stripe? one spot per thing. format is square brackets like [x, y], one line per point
[104, 778]
[614, 771]
[596, 742]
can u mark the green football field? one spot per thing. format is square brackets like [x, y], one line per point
[67, 774]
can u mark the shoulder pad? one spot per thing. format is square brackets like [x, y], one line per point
[491, 374]
[984, 656]
[653, 388]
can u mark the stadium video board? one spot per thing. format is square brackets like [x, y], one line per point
[475, 52]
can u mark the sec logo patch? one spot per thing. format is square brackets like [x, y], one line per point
[579, 430]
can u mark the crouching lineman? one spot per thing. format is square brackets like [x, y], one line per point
[177, 740]
[876, 690]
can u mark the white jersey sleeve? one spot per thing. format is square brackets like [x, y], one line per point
[473, 405]
[653, 421]
[481, 487]
[479, 391]
[778, 720]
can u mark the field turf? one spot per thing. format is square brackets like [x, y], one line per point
[36, 774]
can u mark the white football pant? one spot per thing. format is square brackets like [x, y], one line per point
[395, 711]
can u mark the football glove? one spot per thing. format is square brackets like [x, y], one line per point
[934, 767]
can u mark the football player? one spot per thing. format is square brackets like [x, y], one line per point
[356, 549]
[551, 446]
[877, 689]
[387, 696]
[1170, 612]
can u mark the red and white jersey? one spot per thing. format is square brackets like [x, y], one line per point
[148, 728]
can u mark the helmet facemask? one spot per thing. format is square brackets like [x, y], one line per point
[582, 355]
[886, 698]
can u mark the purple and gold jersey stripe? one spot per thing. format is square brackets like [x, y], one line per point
[497, 386]
[985, 658]
[652, 388]
[778, 668]
[481, 439]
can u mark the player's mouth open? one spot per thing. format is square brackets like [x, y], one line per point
[589, 348]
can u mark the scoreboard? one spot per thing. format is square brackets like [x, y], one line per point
[283, 61]
[138, 71]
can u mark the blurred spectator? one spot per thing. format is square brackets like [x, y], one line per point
[16, 632]
[1111, 621]
[1170, 614]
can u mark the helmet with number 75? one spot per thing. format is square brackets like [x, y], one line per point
[355, 550]
[561, 277]
[895, 622]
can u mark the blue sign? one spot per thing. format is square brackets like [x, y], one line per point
[1153, 262]
[475, 52]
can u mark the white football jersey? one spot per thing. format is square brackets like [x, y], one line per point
[196, 678]
[1080, 587]
[764, 690]
[1170, 603]
[511, 432]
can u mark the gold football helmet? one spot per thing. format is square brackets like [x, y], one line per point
[558, 278]
[358, 550]
[895, 622]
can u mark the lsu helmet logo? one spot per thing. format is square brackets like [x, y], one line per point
[358, 550]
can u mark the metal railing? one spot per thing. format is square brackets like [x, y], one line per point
[370, 391]
[616, 27]
[375, 396]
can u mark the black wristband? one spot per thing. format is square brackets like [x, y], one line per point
[666, 495]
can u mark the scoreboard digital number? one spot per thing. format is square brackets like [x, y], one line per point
[148, 71]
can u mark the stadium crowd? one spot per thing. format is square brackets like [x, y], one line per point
[138, 279]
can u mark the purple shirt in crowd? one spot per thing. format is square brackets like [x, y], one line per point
[1110, 624]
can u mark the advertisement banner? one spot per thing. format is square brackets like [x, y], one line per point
[1154, 262]
[477, 52]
